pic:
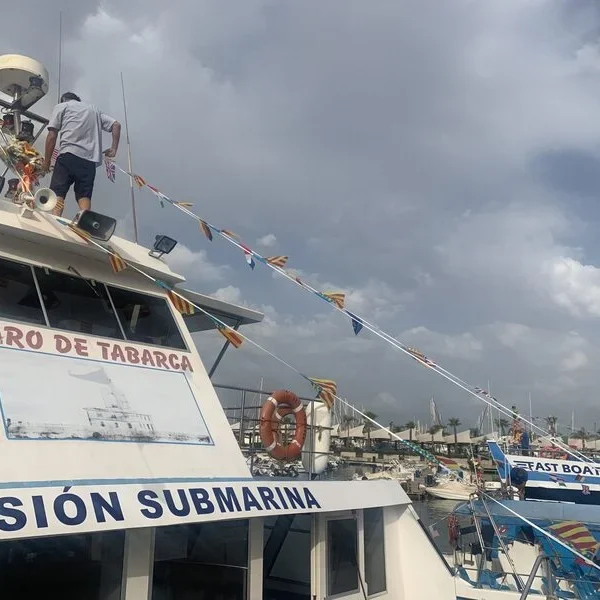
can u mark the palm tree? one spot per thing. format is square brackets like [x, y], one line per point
[411, 425]
[369, 425]
[433, 430]
[454, 423]
[347, 422]
[502, 425]
[582, 435]
[551, 421]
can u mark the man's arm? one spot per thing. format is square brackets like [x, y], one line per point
[116, 136]
[50, 145]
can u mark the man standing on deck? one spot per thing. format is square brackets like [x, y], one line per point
[80, 149]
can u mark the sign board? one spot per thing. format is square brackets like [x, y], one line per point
[82, 408]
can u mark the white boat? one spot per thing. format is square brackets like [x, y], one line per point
[452, 489]
[121, 476]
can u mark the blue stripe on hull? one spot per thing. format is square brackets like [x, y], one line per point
[561, 495]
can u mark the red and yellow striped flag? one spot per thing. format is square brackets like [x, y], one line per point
[206, 230]
[139, 180]
[336, 297]
[277, 261]
[184, 204]
[182, 305]
[327, 389]
[577, 535]
[233, 337]
[84, 235]
[117, 263]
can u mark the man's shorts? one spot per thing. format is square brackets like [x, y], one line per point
[70, 169]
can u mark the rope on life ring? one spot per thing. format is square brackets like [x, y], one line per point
[278, 405]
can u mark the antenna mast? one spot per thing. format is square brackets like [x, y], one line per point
[130, 168]
[59, 54]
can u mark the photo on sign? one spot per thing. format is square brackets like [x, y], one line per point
[52, 397]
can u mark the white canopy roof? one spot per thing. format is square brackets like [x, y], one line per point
[462, 437]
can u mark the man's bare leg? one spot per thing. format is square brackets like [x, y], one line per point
[84, 203]
[60, 206]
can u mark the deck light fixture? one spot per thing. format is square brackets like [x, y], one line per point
[163, 244]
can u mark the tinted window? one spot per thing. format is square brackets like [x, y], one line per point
[342, 566]
[146, 319]
[19, 299]
[69, 567]
[374, 551]
[77, 304]
[201, 560]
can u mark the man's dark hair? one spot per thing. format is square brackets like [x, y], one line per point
[69, 96]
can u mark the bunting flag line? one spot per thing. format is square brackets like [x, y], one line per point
[181, 304]
[331, 389]
[326, 390]
[117, 263]
[337, 300]
[277, 261]
[184, 204]
[250, 260]
[111, 172]
[233, 337]
[206, 230]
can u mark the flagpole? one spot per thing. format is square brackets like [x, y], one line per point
[135, 229]
[59, 54]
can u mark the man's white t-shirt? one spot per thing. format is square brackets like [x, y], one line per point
[80, 126]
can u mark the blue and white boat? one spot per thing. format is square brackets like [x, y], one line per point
[551, 479]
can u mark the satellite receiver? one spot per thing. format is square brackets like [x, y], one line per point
[25, 80]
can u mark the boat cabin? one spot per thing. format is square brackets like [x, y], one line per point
[122, 478]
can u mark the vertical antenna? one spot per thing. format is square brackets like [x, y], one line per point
[130, 168]
[59, 54]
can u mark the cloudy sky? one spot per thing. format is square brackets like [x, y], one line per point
[439, 162]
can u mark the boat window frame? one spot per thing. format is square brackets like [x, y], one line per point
[355, 516]
[46, 325]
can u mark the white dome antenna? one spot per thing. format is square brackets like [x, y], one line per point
[24, 79]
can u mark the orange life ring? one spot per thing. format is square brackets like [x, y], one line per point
[279, 404]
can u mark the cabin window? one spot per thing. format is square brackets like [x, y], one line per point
[68, 567]
[374, 551]
[19, 299]
[342, 556]
[146, 319]
[201, 560]
[77, 304]
[286, 558]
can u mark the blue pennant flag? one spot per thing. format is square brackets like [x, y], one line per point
[357, 324]
[250, 260]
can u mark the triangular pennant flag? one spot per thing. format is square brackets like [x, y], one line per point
[184, 204]
[233, 337]
[117, 263]
[357, 323]
[182, 305]
[326, 390]
[336, 297]
[206, 230]
[111, 171]
[153, 189]
[250, 260]
[277, 261]
[84, 235]
[229, 233]
[139, 180]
